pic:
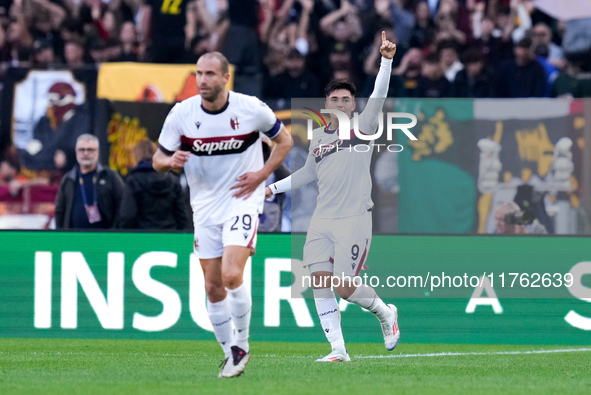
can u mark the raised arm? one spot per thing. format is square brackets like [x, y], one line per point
[380, 90]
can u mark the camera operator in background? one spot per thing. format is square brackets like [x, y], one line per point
[510, 220]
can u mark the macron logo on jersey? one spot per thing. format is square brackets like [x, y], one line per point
[208, 146]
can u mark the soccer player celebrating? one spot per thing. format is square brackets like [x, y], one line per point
[339, 235]
[215, 137]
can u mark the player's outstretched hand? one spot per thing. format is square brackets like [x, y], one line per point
[388, 48]
[247, 183]
[178, 159]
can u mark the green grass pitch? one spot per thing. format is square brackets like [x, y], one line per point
[67, 366]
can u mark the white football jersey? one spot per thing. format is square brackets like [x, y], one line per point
[225, 144]
[343, 168]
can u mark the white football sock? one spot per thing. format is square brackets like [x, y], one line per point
[366, 297]
[330, 317]
[221, 320]
[240, 308]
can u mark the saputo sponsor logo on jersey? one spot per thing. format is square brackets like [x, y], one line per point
[354, 139]
[209, 146]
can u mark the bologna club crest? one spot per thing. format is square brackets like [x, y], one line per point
[234, 123]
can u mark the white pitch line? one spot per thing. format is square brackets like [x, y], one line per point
[453, 354]
[441, 354]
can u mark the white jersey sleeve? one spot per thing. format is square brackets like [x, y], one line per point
[305, 175]
[369, 118]
[268, 122]
[170, 136]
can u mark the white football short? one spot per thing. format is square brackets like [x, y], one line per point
[240, 230]
[338, 245]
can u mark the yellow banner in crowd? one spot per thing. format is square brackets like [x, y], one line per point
[160, 83]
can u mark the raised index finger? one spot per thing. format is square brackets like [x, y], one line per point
[383, 37]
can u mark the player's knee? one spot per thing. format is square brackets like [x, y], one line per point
[344, 292]
[232, 278]
[216, 292]
[321, 279]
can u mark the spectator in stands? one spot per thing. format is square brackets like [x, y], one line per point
[296, 80]
[342, 33]
[200, 23]
[450, 62]
[542, 34]
[89, 195]
[522, 77]
[433, 83]
[113, 49]
[474, 80]
[43, 54]
[109, 24]
[408, 74]
[500, 215]
[200, 45]
[393, 12]
[343, 24]
[9, 171]
[74, 54]
[567, 84]
[128, 40]
[340, 58]
[423, 31]
[98, 52]
[163, 25]
[17, 36]
[504, 224]
[241, 46]
[72, 29]
[12, 178]
[495, 44]
[541, 52]
[152, 200]
[346, 74]
[452, 22]
[47, 19]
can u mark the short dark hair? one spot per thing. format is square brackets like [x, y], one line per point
[341, 83]
[73, 25]
[472, 55]
[143, 150]
[432, 58]
[447, 44]
[524, 43]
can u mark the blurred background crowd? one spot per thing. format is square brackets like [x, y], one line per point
[291, 48]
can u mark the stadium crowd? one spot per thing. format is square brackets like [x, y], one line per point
[291, 48]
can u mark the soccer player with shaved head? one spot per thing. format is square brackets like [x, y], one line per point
[216, 138]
